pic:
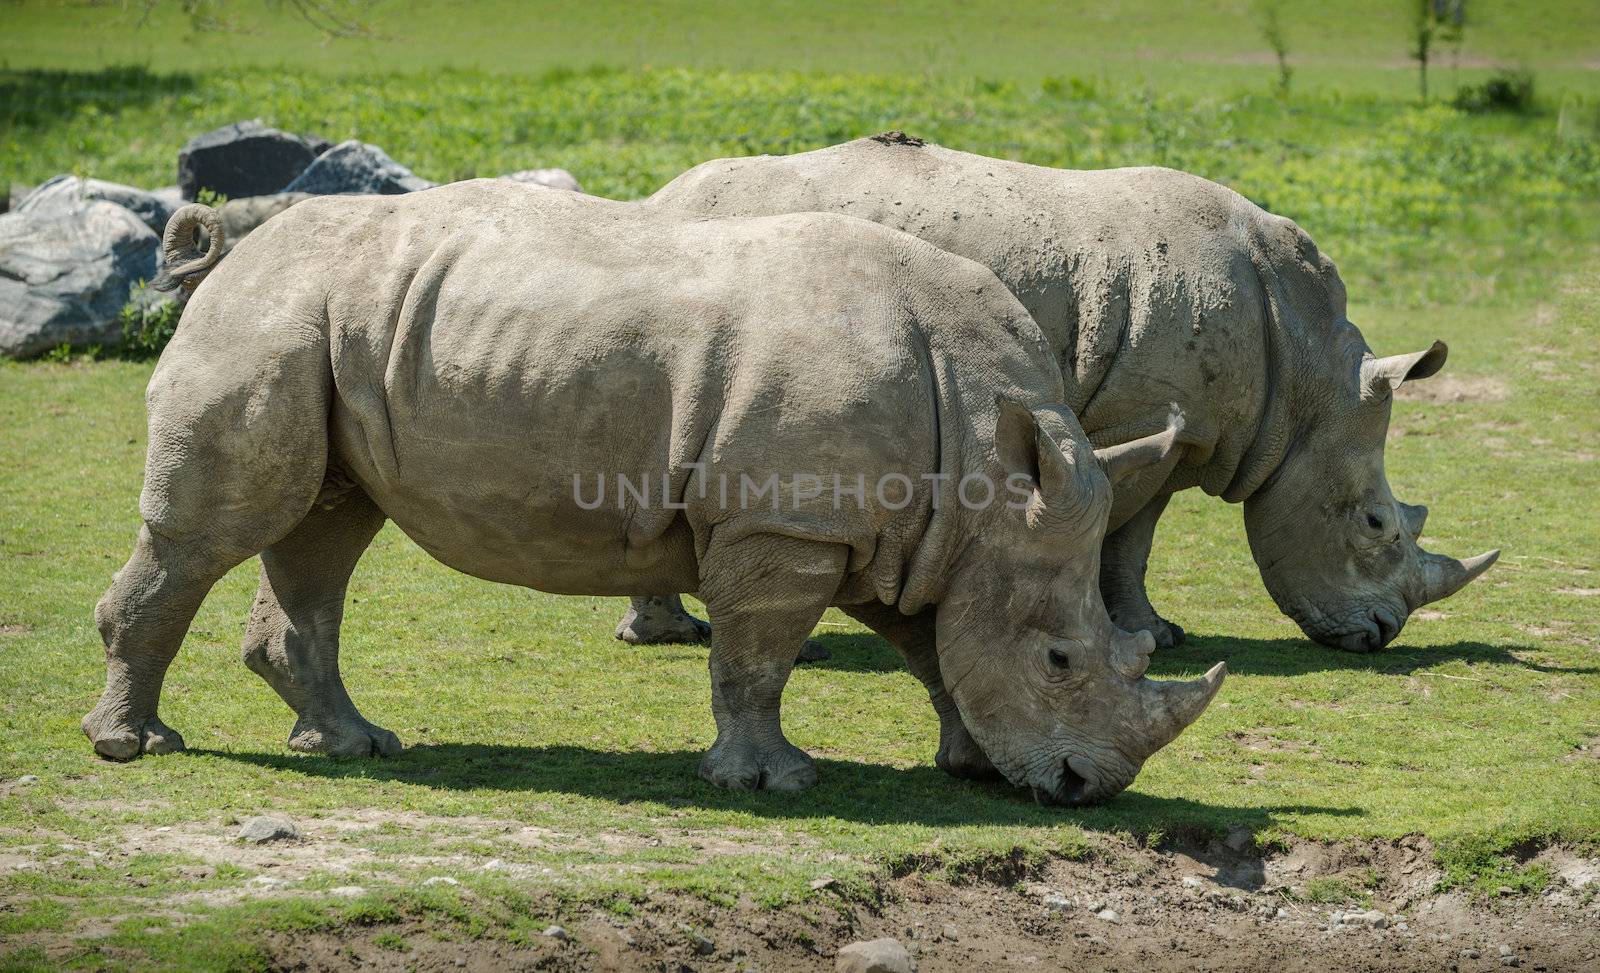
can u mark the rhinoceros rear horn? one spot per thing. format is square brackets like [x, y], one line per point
[1444, 576]
[1128, 459]
[1182, 704]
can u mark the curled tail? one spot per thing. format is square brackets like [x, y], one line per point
[182, 263]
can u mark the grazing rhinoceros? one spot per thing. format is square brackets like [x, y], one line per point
[482, 362]
[1152, 286]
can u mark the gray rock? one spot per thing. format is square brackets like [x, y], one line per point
[1372, 917]
[874, 956]
[243, 159]
[1058, 902]
[439, 880]
[28, 779]
[65, 273]
[1470, 953]
[1506, 950]
[1192, 882]
[260, 830]
[152, 209]
[950, 932]
[1108, 915]
[553, 178]
[15, 197]
[348, 892]
[702, 945]
[356, 168]
[556, 932]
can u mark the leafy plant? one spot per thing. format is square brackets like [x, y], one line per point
[1269, 17]
[1434, 21]
[1509, 91]
[147, 324]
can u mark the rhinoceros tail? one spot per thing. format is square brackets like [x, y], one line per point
[182, 263]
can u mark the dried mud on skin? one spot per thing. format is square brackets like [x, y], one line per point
[1220, 905]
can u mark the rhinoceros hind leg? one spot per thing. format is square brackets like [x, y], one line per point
[143, 618]
[1124, 558]
[959, 754]
[764, 593]
[662, 620]
[293, 638]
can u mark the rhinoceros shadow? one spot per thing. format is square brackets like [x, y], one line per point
[848, 790]
[863, 652]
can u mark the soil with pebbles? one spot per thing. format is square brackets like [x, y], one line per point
[1223, 906]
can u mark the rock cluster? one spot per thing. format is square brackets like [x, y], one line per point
[73, 250]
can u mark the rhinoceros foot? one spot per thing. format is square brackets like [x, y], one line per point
[1168, 635]
[960, 756]
[116, 739]
[660, 620]
[347, 736]
[742, 764]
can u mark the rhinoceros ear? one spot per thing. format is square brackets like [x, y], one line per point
[1380, 376]
[1026, 449]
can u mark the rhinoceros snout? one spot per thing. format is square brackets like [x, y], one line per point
[1370, 634]
[1072, 790]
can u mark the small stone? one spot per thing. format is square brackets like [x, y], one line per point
[493, 864]
[818, 884]
[1108, 915]
[556, 932]
[28, 779]
[1506, 950]
[1058, 902]
[1192, 882]
[460, 961]
[1373, 918]
[874, 956]
[266, 882]
[260, 830]
[950, 932]
[1097, 905]
[439, 880]
[1470, 954]
[1505, 890]
[702, 945]
[1403, 927]
[1037, 891]
[1282, 913]
[348, 892]
[1510, 961]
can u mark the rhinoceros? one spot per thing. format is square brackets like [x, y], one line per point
[479, 363]
[1151, 286]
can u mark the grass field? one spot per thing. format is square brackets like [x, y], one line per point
[521, 712]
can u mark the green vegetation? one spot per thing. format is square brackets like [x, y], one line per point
[537, 740]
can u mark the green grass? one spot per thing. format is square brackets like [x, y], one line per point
[519, 709]
[1358, 44]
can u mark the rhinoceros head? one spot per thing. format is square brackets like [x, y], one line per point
[1338, 553]
[1055, 693]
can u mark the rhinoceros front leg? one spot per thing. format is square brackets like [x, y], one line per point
[662, 620]
[293, 638]
[914, 635]
[764, 593]
[1124, 558]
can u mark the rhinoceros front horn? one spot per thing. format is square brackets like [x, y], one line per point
[1444, 576]
[1182, 703]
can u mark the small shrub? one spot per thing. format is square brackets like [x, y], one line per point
[147, 326]
[1509, 91]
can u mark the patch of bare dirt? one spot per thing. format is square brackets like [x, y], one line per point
[1221, 904]
[1449, 388]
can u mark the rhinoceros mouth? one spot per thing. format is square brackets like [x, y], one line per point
[1071, 790]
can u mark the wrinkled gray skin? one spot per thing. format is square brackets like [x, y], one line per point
[1154, 286]
[452, 359]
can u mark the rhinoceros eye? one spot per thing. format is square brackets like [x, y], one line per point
[1374, 522]
[1059, 659]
